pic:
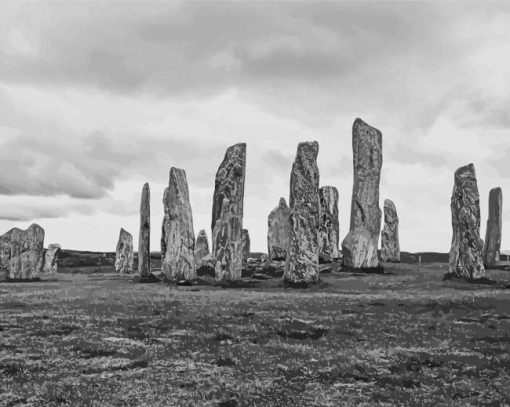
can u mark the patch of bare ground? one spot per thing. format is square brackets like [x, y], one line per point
[402, 338]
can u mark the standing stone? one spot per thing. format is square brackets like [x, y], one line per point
[302, 262]
[165, 224]
[390, 246]
[466, 251]
[51, 258]
[359, 247]
[227, 214]
[144, 263]
[329, 228]
[21, 252]
[492, 245]
[201, 249]
[278, 231]
[245, 240]
[179, 263]
[124, 253]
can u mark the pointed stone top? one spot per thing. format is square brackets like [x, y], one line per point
[282, 203]
[389, 203]
[239, 145]
[146, 185]
[466, 171]
[360, 124]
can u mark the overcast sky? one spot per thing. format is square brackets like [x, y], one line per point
[98, 98]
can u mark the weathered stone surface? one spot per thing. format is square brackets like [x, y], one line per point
[278, 231]
[227, 214]
[144, 266]
[165, 224]
[359, 247]
[302, 262]
[51, 258]
[179, 263]
[329, 228]
[492, 244]
[245, 241]
[201, 249]
[390, 246]
[21, 252]
[466, 251]
[124, 253]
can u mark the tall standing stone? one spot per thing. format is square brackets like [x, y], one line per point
[302, 262]
[390, 246]
[245, 240]
[178, 263]
[144, 263]
[359, 247]
[329, 228]
[278, 231]
[21, 252]
[201, 249]
[492, 245]
[51, 258]
[165, 224]
[227, 214]
[124, 253]
[466, 251]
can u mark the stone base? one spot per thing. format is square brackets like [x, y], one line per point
[368, 270]
[151, 278]
[23, 280]
[479, 281]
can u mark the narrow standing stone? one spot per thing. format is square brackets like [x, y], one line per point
[201, 249]
[165, 224]
[278, 231]
[329, 228]
[492, 245]
[51, 258]
[179, 263]
[245, 239]
[390, 246]
[227, 214]
[144, 263]
[359, 247]
[302, 263]
[466, 251]
[124, 253]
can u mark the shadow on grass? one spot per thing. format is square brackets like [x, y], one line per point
[478, 281]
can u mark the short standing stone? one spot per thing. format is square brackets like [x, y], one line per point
[390, 246]
[227, 214]
[144, 266]
[302, 263]
[201, 249]
[466, 251]
[245, 239]
[278, 231]
[21, 252]
[124, 253]
[329, 228]
[492, 247]
[359, 247]
[179, 263]
[51, 258]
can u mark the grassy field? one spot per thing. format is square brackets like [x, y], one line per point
[406, 338]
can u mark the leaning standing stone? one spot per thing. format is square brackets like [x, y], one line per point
[124, 253]
[390, 246]
[359, 247]
[227, 214]
[201, 249]
[492, 245]
[278, 231]
[302, 263]
[178, 263]
[245, 239]
[144, 266]
[466, 251]
[328, 226]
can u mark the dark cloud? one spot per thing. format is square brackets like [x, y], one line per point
[34, 210]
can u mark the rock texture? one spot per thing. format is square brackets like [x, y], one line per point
[278, 231]
[51, 258]
[329, 228]
[178, 262]
[245, 242]
[302, 262]
[21, 252]
[201, 249]
[359, 247]
[466, 251]
[124, 253]
[165, 224]
[227, 214]
[390, 246]
[492, 245]
[144, 266]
